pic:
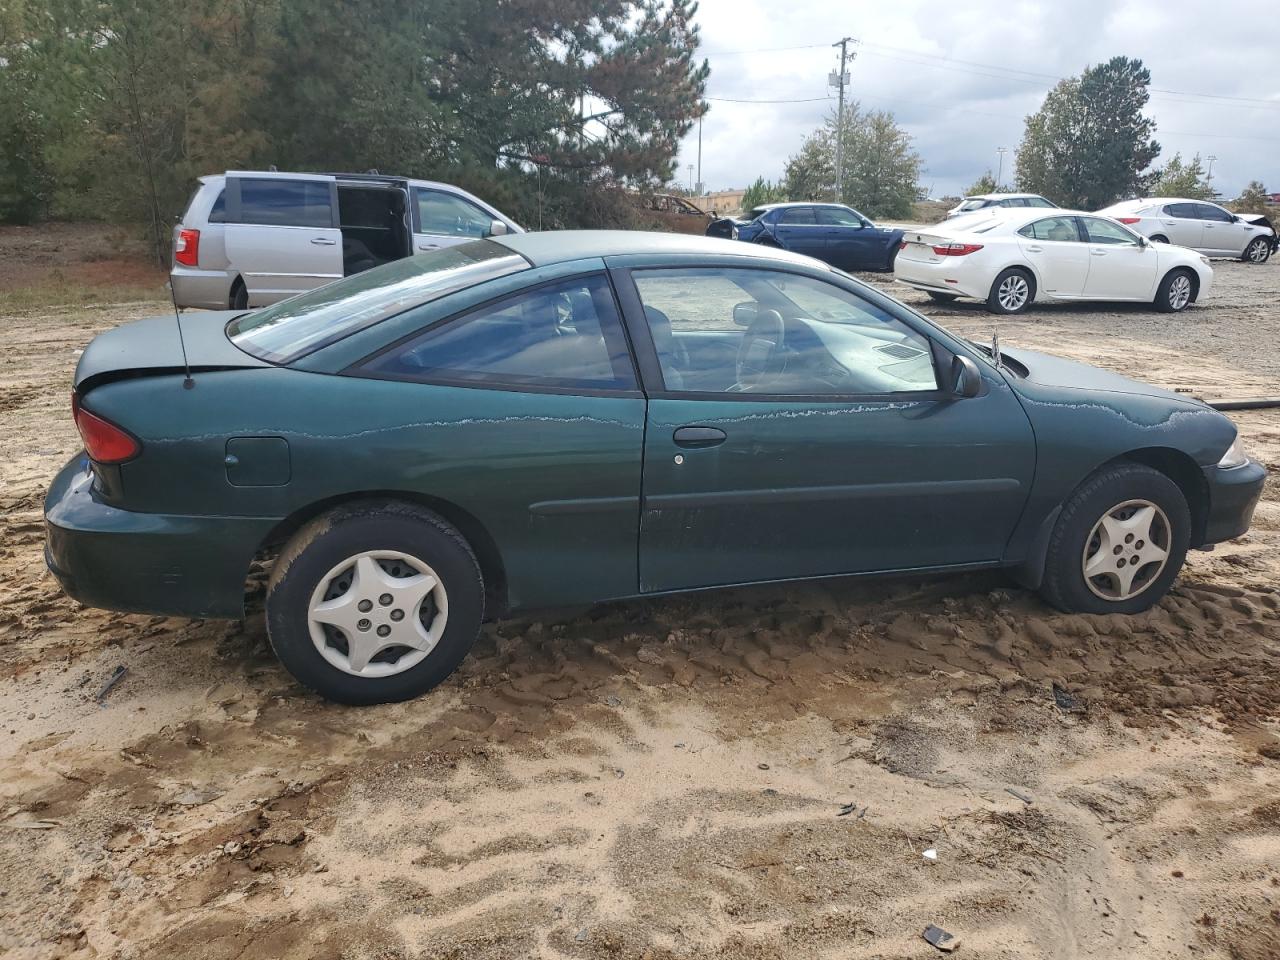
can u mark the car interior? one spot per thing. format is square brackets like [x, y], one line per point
[374, 227]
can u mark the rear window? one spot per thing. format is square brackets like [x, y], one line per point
[974, 204]
[303, 324]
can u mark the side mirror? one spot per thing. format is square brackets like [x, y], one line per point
[1143, 241]
[744, 314]
[497, 228]
[966, 380]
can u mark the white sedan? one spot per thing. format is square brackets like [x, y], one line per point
[1010, 258]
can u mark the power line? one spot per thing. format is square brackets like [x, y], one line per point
[731, 100]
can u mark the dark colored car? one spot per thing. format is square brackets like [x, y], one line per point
[556, 419]
[830, 232]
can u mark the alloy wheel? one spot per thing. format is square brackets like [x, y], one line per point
[378, 613]
[1126, 550]
[1180, 291]
[1013, 292]
[1258, 251]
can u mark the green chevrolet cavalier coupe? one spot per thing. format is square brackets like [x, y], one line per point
[558, 419]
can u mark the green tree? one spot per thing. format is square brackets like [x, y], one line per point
[984, 184]
[1253, 199]
[1179, 179]
[880, 167]
[1089, 144]
[761, 192]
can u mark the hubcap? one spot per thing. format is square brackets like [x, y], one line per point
[1013, 292]
[1258, 252]
[1126, 550]
[1180, 291]
[378, 613]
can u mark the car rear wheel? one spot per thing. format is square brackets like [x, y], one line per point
[374, 603]
[1012, 291]
[1175, 292]
[1119, 542]
[941, 297]
[239, 296]
[1160, 238]
[1258, 250]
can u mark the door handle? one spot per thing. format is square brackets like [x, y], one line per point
[1035, 249]
[1098, 253]
[323, 241]
[693, 438]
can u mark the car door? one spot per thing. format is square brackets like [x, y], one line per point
[845, 458]
[852, 241]
[282, 234]
[442, 218]
[1121, 267]
[1181, 223]
[797, 229]
[1059, 254]
[1223, 235]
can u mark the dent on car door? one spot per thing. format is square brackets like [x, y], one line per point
[526, 414]
[282, 234]
[816, 440]
[442, 219]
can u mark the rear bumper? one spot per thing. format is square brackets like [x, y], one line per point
[146, 562]
[951, 276]
[193, 287]
[1233, 495]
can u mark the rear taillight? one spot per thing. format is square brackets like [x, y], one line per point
[1128, 220]
[186, 250]
[903, 245]
[103, 440]
[956, 249]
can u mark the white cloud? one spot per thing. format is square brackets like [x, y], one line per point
[959, 110]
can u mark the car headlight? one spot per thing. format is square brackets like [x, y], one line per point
[1234, 457]
[1205, 261]
[733, 234]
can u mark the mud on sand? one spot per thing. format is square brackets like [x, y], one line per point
[664, 779]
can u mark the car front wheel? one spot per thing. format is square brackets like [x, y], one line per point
[1011, 292]
[374, 603]
[1175, 292]
[1258, 250]
[1119, 542]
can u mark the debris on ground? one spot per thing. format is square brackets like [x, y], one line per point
[115, 678]
[939, 938]
[930, 854]
[847, 809]
[1065, 701]
[1017, 793]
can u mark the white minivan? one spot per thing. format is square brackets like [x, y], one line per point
[250, 238]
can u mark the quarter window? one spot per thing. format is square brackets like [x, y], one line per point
[1055, 229]
[1103, 231]
[562, 335]
[445, 214]
[218, 212]
[722, 330]
[286, 203]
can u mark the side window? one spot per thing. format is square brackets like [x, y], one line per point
[835, 217]
[1037, 202]
[1207, 211]
[1055, 229]
[218, 212]
[286, 203]
[1103, 231]
[446, 214]
[797, 215]
[724, 330]
[562, 335]
[1183, 211]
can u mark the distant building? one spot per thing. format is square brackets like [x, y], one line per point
[721, 202]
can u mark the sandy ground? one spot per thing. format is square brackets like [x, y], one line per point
[665, 779]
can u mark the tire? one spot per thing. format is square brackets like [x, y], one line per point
[1175, 292]
[765, 240]
[1012, 291]
[324, 563]
[941, 297]
[1081, 537]
[1258, 250]
[1160, 238]
[893, 256]
[239, 296]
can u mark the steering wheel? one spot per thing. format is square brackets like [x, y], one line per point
[761, 354]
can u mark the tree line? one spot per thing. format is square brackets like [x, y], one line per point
[110, 108]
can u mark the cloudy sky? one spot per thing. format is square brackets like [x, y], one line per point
[960, 77]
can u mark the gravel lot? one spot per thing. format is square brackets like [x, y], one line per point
[663, 779]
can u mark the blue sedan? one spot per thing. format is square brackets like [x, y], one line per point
[830, 232]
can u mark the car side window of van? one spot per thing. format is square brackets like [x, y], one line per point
[218, 212]
[286, 203]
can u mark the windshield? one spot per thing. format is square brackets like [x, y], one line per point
[292, 328]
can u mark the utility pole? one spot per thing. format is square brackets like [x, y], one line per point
[1000, 175]
[691, 178]
[699, 154]
[1209, 176]
[840, 79]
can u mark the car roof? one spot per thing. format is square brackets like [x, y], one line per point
[1009, 216]
[1001, 196]
[799, 203]
[560, 246]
